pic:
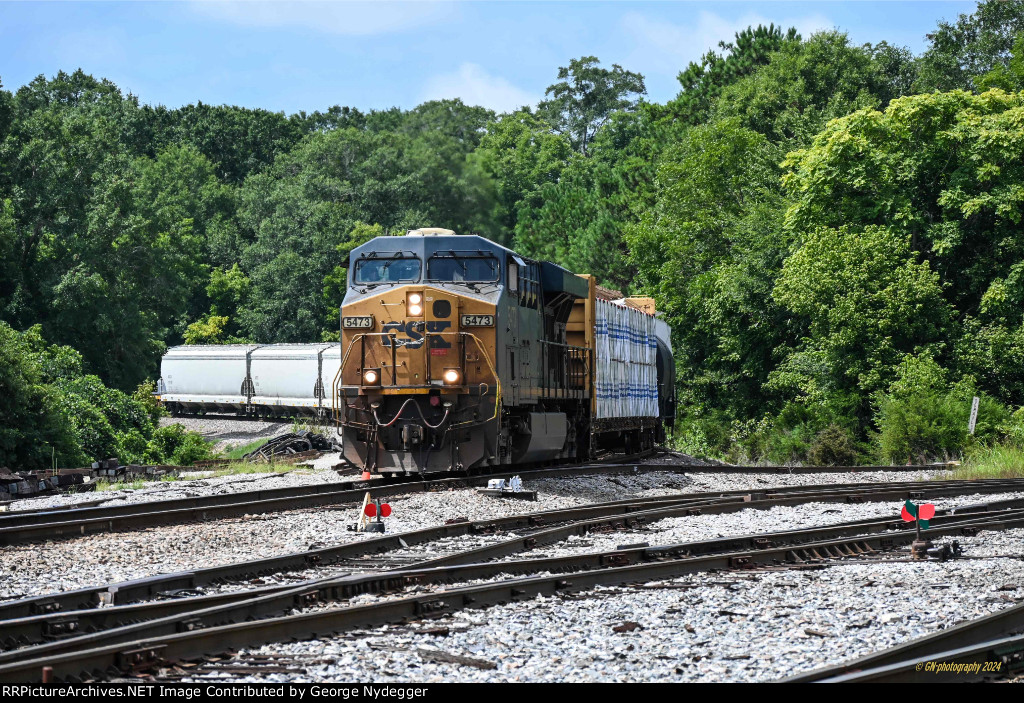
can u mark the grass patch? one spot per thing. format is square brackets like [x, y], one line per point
[998, 461]
[108, 485]
[236, 453]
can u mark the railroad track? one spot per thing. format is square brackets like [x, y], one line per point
[222, 621]
[996, 640]
[473, 564]
[609, 513]
[18, 527]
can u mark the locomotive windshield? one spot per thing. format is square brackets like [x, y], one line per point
[394, 270]
[475, 269]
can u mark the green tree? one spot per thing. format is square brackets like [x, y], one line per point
[32, 427]
[586, 96]
[298, 213]
[709, 252]
[868, 303]
[703, 82]
[942, 170]
[804, 85]
[961, 53]
[238, 141]
[1009, 77]
[521, 155]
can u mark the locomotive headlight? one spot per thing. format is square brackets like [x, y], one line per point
[371, 377]
[452, 377]
[414, 304]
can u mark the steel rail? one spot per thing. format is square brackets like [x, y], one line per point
[976, 632]
[19, 529]
[35, 516]
[147, 651]
[639, 519]
[969, 661]
[155, 586]
[36, 629]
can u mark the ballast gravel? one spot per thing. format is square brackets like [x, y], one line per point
[733, 626]
[191, 485]
[91, 560]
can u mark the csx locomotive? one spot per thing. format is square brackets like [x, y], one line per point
[455, 353]
[458, 353]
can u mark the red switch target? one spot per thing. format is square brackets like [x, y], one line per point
[370, 510]
[385, 510]
[926, 511]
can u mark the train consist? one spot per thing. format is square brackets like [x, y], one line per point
[455, 353]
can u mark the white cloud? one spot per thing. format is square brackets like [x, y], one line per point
[474, 86]
[345, 18]
[665, 48]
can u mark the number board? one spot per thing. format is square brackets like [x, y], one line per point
[363, 322]
[478, 320]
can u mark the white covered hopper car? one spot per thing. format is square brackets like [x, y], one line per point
[270, 380]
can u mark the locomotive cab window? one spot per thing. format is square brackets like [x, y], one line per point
[470, 269]
[392, 270]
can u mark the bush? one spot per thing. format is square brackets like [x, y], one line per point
[132, 448]
[174, 445]
[833, 446]
[700, 435]
[800, 432]
[925, 417]
[51, 410]
[92, 431]
[145, 397]
[194, 448]
[1012, 430]
[934, 426]
[165, 441]
[34, 431]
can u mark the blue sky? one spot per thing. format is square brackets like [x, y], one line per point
[292, 56]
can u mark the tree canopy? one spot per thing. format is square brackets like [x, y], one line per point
[832, 231]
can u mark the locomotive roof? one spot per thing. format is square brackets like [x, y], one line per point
[424, 246]
[426, 243]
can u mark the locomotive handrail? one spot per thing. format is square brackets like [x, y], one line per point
[570, 352]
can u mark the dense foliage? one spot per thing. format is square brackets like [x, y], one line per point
[832, 230]
[53, 413]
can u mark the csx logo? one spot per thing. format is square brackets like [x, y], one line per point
[413, 331]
